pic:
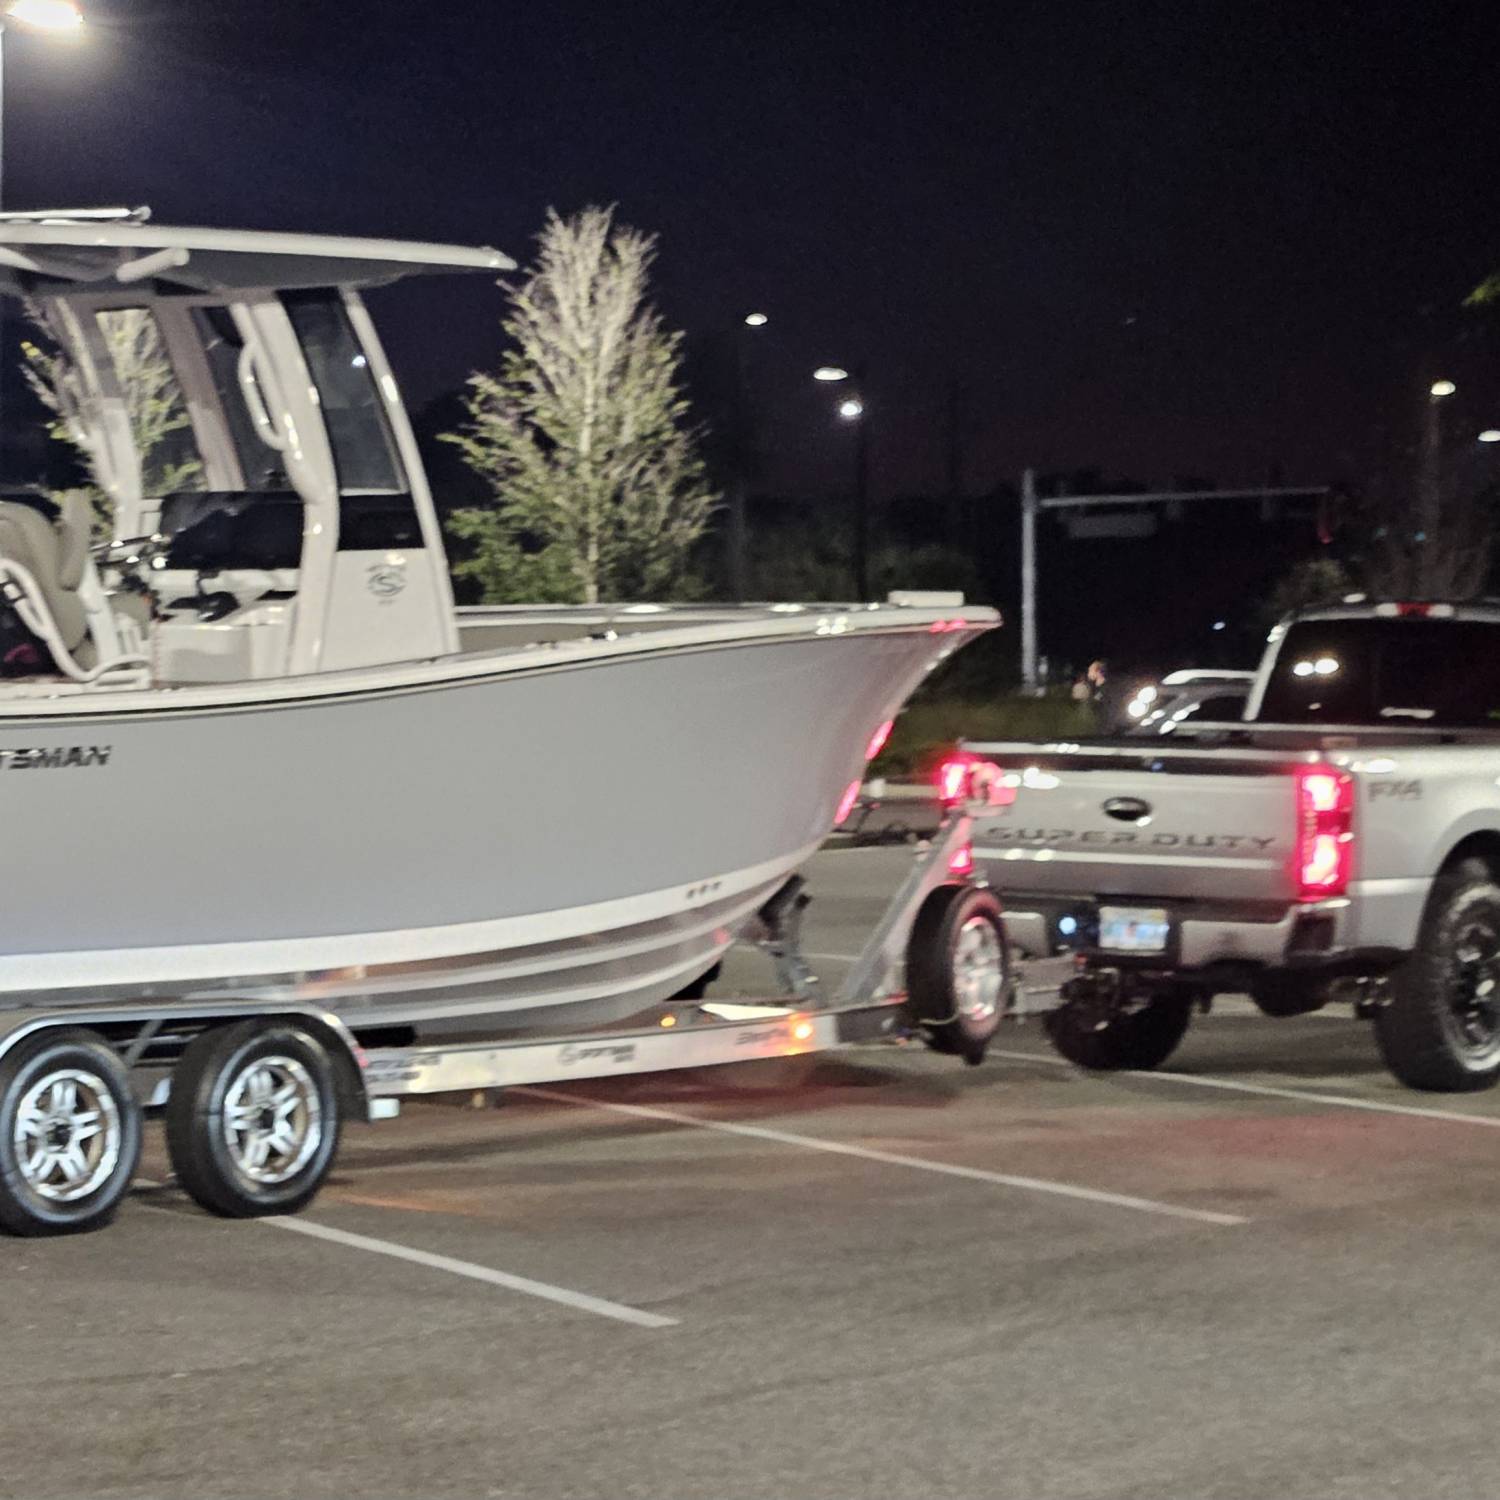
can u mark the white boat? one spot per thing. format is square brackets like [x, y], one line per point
[253, 752]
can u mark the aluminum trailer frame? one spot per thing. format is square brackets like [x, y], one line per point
[243, 1084]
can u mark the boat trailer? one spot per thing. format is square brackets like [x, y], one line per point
[254, 1095]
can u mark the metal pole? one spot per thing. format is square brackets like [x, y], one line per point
[741, 460]
[1430, 491]
[862, 506]
[4, 363]
[2, 114]
[1028, 580]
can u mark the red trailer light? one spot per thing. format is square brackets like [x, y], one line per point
[847, 801]
[961, 861]
[1325, 832]
[970, 778]
[953, 779]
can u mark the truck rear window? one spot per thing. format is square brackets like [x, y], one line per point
[1413, 671]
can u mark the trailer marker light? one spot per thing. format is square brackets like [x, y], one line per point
[953, 779]
[967, 778]
[962, 860]
[846, 802]
[802, 1031]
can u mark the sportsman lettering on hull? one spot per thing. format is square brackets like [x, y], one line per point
[55, 758]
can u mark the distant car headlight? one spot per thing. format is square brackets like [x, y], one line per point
[1137, 707]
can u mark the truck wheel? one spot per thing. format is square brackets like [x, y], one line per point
[1108, 1039]
[70, 1134]
[253, 1119]
[1441, 1028]
[957, 970]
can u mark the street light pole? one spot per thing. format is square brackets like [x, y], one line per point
[742, 457]
[1430, 482]
[852, 409]
[1028, 580]
[58, 16]
[862, 505]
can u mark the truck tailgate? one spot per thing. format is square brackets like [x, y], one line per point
[1106, 821]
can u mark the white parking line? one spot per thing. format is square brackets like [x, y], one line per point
[1195, 1080]
[524, 1284]
[893, 1159]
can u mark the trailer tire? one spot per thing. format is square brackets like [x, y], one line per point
[1440, 1030]
[958, 970]
[253, 1119]
[1107, 1041]
[68, 1093]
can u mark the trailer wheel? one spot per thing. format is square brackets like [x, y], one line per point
[253, 1119]
[957, 970]
[70, 1134]
[1441, 1029]
[1108, 1038]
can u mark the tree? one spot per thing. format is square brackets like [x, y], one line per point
[159, 420]
[1433, 535]
[1309, 584]
[582, 435]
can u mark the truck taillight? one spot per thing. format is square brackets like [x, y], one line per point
[1325, 832]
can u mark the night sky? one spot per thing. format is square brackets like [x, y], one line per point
[1154, 239]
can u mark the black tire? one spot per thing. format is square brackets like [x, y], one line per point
[1108, 1040]
[34, 1183]
[958, 970]
[1440, 1030]
[220, 1118]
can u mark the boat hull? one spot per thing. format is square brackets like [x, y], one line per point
[549, 838]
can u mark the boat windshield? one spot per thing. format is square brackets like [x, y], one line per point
[358, 434]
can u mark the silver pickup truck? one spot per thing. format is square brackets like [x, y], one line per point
[1342, 840]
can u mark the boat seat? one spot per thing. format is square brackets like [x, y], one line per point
[48, 579]
[52, 556]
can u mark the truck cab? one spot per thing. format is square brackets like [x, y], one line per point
[1317, 848]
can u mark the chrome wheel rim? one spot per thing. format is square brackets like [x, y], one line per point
[978, 970]
[1474, 987]
[273, 1120]
[68, 1135]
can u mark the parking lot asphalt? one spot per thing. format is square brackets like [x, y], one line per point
[1266, 1270]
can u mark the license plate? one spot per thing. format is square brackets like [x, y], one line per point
[1133, 929]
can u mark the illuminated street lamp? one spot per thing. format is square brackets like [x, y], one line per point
[742, 445]
[45, 15]
[60, 19]
[57, 18]
[1441, 388]
[852, 409]
[1490, 435]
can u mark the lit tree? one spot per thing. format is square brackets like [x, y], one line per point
[582, 434]
[152, 397]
